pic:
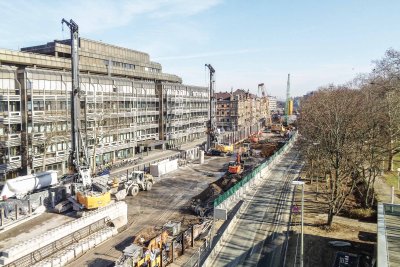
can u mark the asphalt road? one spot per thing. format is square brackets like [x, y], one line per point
[258, 235]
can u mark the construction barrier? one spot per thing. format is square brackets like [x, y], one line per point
[235, 192]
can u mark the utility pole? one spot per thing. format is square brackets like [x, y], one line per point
[211, 134]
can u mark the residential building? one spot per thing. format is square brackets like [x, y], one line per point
[272, 103]
[239, 109]
[130, 105]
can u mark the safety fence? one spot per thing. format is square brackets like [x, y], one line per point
[259, 170]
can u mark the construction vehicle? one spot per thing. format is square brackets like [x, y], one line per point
[236, 167]
[131, 184]
[85, 194]
[24, 185]
[224, 148]
[277, 128]
[246, 150]
[211, 126]
[254, 138]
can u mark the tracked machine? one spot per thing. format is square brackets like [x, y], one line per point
[236, 167]
[85, 194]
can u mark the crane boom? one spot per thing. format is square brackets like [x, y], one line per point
[211, 132]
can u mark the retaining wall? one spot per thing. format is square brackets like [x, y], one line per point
[116, 213]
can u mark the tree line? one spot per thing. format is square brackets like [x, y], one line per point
[350, 133]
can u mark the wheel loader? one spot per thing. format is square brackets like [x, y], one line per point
[131, 184]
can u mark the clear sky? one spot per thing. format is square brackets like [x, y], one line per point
[247, 42]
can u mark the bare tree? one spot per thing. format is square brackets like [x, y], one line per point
[331, 118]
[386, 79]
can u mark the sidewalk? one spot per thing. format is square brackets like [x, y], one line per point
[383, 191]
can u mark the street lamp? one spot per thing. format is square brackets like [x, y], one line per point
[295, 183]
[398, 178]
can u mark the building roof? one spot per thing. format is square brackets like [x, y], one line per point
[222, 96]
[244, 93]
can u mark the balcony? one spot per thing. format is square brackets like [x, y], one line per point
[11, 117]
[11, 139]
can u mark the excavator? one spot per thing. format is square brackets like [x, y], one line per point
[236, 167]
[85, 193]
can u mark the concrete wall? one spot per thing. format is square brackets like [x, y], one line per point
[116, 213]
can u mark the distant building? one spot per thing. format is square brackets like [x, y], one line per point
[272, 103]
[240, 108]
[131, 105]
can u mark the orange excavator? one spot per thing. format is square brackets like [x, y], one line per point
[254, 138]
[235, 167]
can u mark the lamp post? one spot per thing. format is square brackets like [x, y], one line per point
[302, 221]
[398, 178]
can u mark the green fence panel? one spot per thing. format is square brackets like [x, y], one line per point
[249, 176]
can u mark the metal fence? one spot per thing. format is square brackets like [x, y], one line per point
[195, 259]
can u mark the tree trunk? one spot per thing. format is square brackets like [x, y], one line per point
[330, 217]
[366, 198]
[390, 161]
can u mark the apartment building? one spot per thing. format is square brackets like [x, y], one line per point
[129, 105]
[240, 108]
[272, 103]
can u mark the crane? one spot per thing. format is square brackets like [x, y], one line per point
[261, 88]
[211, 131]
[78, 158]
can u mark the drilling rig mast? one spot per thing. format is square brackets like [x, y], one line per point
[287, 100]
[211, 131]
[78, 158]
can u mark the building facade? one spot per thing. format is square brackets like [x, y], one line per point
[272, 103]
[240, 109]
[129, 105]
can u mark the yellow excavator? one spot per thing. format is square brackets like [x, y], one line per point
[85, 194]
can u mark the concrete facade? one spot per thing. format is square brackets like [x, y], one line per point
[131, 105]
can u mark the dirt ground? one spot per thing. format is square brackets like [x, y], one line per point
[317, 249]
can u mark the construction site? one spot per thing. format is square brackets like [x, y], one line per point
[155, 206]
[174, 216]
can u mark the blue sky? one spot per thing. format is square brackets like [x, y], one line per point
[247, 42]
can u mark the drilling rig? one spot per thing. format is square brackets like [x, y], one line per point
[211, 129]
[83, 189]
[287, 101]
